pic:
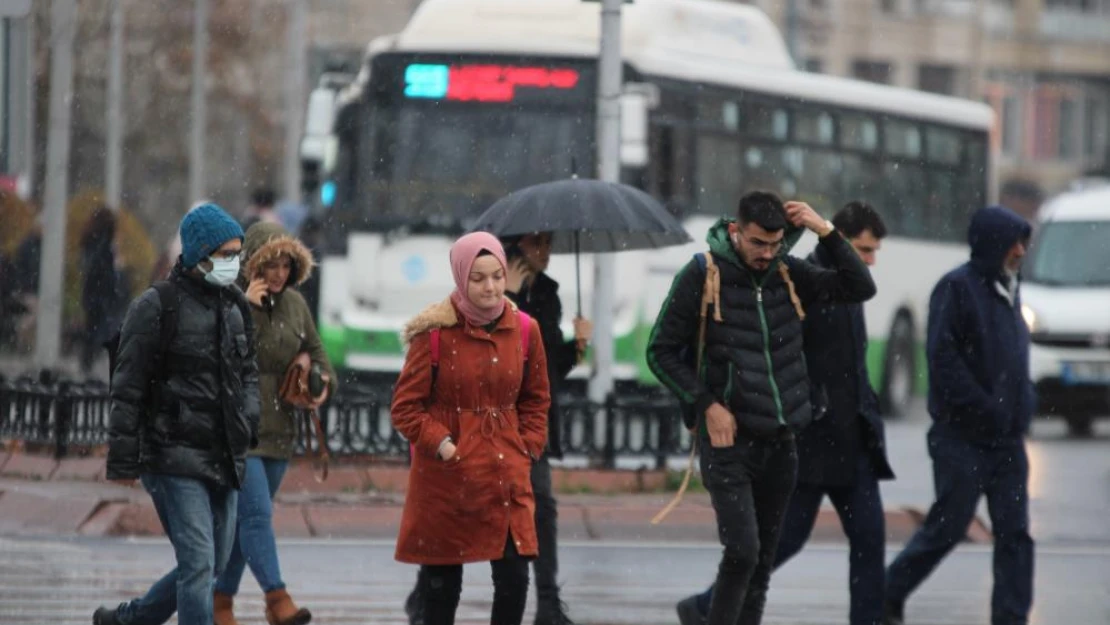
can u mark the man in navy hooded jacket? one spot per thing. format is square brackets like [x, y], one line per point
[981, 401]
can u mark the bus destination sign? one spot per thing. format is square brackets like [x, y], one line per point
[485, 82]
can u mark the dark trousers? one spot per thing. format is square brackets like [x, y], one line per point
[962, 471]
[442, 586]
[860, 508]
[749, 485]
[546, 565]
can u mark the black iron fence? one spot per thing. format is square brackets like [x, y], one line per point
[64, 416]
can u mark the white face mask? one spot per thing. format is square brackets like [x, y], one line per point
[224, 271]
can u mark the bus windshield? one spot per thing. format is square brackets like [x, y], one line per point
[444, 136]
[451, 162]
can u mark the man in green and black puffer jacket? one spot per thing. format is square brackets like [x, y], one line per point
[751, 392]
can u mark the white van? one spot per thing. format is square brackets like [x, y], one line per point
[1066, 302]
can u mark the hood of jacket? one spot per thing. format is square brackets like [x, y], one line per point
[720, 243]
[991, 234]
[267, 241]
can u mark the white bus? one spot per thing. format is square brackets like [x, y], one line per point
[476, 98]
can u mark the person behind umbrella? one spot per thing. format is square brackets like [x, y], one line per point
[477, 420]
[538, 295]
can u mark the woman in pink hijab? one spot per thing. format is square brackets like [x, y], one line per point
[472, 399]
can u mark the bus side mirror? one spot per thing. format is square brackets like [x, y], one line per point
[637, 100]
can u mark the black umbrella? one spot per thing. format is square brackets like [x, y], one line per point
[585, 215]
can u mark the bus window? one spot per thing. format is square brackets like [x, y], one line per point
[767, 121]
[668, 173]
[861, 180]
[943, 145]
[814, 127]
[718, 112]
[858, 132]
[974, 172]
[904, 204]
[820, 179]
[902, 139]
[719, 176]
[947, 219]
[768, 168]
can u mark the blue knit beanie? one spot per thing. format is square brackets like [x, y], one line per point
[203, 230]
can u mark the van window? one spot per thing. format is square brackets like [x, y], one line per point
[1070, 253]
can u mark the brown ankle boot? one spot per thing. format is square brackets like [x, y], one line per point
[221, 610]
[280, 610]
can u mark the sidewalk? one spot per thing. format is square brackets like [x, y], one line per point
[40, 496]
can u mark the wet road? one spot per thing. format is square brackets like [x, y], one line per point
[60, 583]
[1069, 479]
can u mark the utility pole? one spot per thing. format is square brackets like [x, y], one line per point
[609, 169]
[48, 328]
[198, 111]
[114, 162]
[294, 100]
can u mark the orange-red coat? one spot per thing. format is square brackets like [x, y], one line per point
[463, 510]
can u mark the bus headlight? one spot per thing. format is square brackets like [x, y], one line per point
[1030, 317]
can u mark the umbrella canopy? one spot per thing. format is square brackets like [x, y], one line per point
[605, 216]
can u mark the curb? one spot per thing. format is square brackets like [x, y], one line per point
[35, 514]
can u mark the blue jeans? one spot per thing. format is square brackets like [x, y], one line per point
[962, 472]
[199, 520]
[254, 539]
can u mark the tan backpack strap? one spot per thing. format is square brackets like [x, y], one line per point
[784, 271]
[710, 295]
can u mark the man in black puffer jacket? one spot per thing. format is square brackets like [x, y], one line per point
[751, 393]
[183, 426]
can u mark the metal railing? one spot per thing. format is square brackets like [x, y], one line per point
[67, 416]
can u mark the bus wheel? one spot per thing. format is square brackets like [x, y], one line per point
[899, 370]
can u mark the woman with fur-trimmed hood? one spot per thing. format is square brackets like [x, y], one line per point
[273, 261]
[477, 421]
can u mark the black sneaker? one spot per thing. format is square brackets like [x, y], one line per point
[688, 612]
[892, 613]
[105, 616]
[552, 613]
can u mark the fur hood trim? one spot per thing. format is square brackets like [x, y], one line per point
[438, 315]
[278, 246]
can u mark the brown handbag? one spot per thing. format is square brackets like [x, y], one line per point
[296, 391]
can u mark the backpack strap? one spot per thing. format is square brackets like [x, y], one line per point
[167, 324]
[784, 271]
[710, 295]
[434, 338]
[525, 322]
